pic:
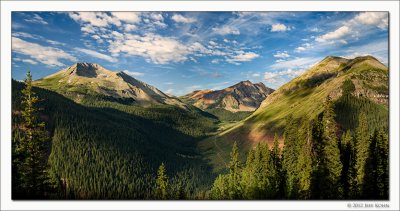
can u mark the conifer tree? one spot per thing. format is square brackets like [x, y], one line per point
[362, 147]
[326, 182]
[30, 148]
[277, 160]
[234, 174]
[290, 156]
[376, 176]
[248, 178]
[347, 158]
[162, 183]
[304, 165]
[220, 188]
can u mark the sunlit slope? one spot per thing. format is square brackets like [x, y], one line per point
[303, 97]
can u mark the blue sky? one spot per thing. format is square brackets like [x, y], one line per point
[179, 52]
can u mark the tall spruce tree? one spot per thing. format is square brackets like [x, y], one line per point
[234, 174]
[162, 183]
[249, 182]
[290, 156]
[362, 148]
[328, 169]
[304, 165]
[277, 160]
[376, 184]
[347, 154]
[30, 148]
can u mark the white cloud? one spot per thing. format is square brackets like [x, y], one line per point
[224, 30]
[378, 19]
[46, 55]
[133, 74]
[296, 63]
[88, 28]
[279, 60]
[128, 17]
[169, 91]
[334, 35]
[299, 49]
[96, 54]
[215, 61]
[53, 42]
[26, 35]
[283, 54]
[36, 19]
[129, 27]
[279, 27]
[242, 57]
[98, 19]
[256, 74]
[315, 29]
[30, 61]
[169, 83]
[181, 19]
[154, 48]
[272, 77]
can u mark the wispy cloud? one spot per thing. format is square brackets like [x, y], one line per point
[224, 30]
[272, 77]
[133, 73]
[280, 54]
[96, 54]
[181, 19]
[279, 27]
[36, 19]
[295, 63]
[47, 55]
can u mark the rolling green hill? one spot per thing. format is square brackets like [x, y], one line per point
[354, 85]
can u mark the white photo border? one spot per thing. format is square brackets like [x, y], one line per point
[8, 6]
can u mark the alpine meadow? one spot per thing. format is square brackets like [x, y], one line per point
[200, 106]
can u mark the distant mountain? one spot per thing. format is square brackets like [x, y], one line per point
[87, 79]
[354, 85]
[243, 96]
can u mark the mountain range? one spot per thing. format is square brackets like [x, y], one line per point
[243, 96]
[116, 130]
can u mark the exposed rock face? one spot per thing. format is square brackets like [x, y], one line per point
[89, 78]
[243, 96]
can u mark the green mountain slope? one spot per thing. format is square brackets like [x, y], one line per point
[83, 80]
[303, 98]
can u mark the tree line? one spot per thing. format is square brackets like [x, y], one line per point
[313, 164]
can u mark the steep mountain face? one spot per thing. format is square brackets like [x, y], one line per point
[243, 96]
[87, 79]
[354, 86]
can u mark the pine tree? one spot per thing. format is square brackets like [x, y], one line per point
[362, 147]
[290, 158]
[248, 179]
[162, 183]
[347, 158]
[220, 188]
[277, 160]
[376, 176]
[234, 174]
[304, 165]
[30, 147]
[328, 167]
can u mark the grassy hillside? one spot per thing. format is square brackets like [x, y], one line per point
[303, 98]
[107, 150]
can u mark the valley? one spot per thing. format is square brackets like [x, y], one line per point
[110, 132]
